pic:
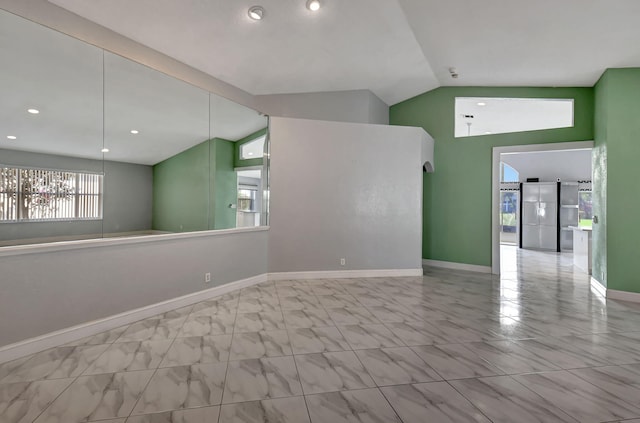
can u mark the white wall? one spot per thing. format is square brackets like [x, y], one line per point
[53, 289]
[550, 165]
[345, 190]
[359, 106]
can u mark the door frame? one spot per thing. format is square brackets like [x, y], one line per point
[495, 186]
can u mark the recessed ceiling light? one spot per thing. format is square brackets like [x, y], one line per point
[488, 133]
[313, 5]
[256, 13]
[134, 131]
[33, 111]
[12, 137]
[249, 154]
[482, 103]
[105, 150]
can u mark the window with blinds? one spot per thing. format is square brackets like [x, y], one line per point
[39, 194]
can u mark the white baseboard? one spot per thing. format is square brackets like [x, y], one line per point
[64, 336]
[598, 287]
[457, 266]
[633, 297]
[343, 274]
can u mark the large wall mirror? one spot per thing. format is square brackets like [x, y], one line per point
[95, 145]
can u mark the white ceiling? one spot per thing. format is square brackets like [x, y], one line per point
[548, 166]
[395, 48]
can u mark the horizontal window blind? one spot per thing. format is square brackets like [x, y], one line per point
[40, 194]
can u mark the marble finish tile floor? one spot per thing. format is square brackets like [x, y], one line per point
[535, 344]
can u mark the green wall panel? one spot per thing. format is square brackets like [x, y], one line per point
[457, 196]
[622, 141]
[192, 184]
[180, 191]
[224, 182]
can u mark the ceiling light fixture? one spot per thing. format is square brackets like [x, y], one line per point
[105, 150]
[313, 5]
[135, 131]
[33, 111]
[256, 13]
[12, 137]
[482, 104]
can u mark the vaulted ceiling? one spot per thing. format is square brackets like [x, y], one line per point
[395, 48]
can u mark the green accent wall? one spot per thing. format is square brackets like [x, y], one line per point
[181, 191]
[618, 141]
[193, 189]
[457, 196]
[251, 162]
[224, 184]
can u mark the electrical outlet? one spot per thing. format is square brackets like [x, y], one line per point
[207, 277]
[343, 262]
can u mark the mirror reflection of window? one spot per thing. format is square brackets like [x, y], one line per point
[252, 149]
[249, 205]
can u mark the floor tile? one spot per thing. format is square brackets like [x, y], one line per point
[431, 402]
[396, 366]
[281, 410]
[578, 398]
[22, 402]
[369, 336]
[254, 305]
[317, 340]
[256, 322]
[299, 302]
[10, 366]
[56, 363]
[198, 350]
[107, 337]
[393, 314]
[560, 353]
[175, 388]
[200, 325]
[211, 308]
[410, 334]
[334, 371]
[620, 381]
[192, 415]
[264, 378]
[455, 361]
[365, 405]
[503, 400]
[352, 316]
[129, 356]
[338, 301]
[307, 318]
[510, 358]
[260, 344]
[96, 397]
[152, 330]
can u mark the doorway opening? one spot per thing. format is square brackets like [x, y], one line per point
[560, 174]
[249, 205]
